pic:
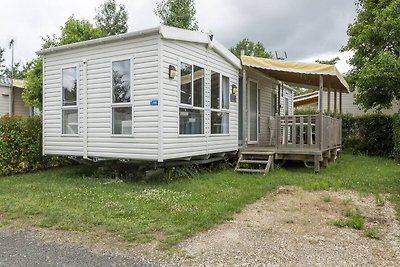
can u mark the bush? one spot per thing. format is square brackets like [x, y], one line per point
[396, 136]
[370, 134]
[21, 146]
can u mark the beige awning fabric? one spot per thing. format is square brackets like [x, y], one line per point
[297, 73]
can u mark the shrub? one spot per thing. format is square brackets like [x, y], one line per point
[21, 145]
[396, 136]
[370, 134]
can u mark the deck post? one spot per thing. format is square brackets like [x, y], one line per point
[244, 99]
[340, 102]
[279, 100]
[320, 124]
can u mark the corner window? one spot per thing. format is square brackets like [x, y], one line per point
[219, 103]
[121, 97]
[69, 106]
[191, 108]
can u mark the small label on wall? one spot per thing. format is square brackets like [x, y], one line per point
[154, 102]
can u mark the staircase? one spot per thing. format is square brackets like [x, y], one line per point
[255, 162]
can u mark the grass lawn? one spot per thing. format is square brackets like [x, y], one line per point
[65, 199]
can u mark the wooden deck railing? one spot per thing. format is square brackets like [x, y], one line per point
[314, 132]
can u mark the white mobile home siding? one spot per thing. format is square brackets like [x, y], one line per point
[178, 146]
[143, 144]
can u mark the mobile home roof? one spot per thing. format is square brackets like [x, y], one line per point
[166, 32]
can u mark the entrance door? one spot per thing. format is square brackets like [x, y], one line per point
[253, 112]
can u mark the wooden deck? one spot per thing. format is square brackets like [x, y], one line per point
[310, 138]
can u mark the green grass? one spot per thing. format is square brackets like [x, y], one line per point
[65, 199]
[354, 219]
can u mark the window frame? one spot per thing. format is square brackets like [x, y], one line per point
[123, 104]
[191, 106]
[75, 107]
[221, 109]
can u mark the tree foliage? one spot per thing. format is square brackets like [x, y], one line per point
[74, 30]
[250, 48]
[177, 13]
[374, 37]
[1, 58]
[111, 18]
[332, 61]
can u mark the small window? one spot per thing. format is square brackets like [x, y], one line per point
[219, 103]
[70, 121]
[121, 81]
[186, 83]
[286, 106]
[219, 122]
[215, 90]
[191, 121]
[121, 97]
[191, 111]
[225, 92]
[69, 105]
[122, 118]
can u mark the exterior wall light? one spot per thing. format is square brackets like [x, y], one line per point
[234, 89]
[171, 71]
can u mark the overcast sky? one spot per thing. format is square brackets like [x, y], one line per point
[305, 29]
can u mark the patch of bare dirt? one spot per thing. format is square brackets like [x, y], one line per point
[293, 227]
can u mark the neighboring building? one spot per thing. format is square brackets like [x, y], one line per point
[310, 101]
[20, 108]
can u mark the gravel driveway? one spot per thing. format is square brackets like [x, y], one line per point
[27, 248]
[294, 227]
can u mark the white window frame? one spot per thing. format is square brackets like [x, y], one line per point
[75, 107]
[121, 105]
[191, 106]
[221, 109]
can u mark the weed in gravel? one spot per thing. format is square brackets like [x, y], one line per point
[354, 219]
[347, 201]
[372, 233]
[379, 200]
[290, 221]
[326, 199]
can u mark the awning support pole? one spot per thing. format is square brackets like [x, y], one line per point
[340, 102]
[245, 114]
[335, 102]
[320, 124]
[329, 96]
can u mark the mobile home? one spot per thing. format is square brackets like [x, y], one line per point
[155, 95]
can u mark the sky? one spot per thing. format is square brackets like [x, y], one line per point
[305, 29]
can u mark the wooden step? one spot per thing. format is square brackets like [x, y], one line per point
[250, 170]
[254, 161]
[267, 153]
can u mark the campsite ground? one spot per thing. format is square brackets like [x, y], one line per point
[294, 217]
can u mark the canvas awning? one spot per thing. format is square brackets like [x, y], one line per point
[297, 73]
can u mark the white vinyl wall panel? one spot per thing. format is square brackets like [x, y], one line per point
[143, 142]
[178, 146]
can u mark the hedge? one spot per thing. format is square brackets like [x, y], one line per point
[370, 134]
[21, 146]
[396, 136]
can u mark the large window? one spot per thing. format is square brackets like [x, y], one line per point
[219, 103]
[69, 104]
[191, 108]
[121, 97]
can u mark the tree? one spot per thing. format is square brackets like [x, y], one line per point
[374, 37]
[112, 19]
[1, 59]
[332, 61]
[74, 30]
[177, 13]
[250, 48]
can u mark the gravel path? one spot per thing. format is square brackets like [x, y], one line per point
[27, 248]
[294, 227]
